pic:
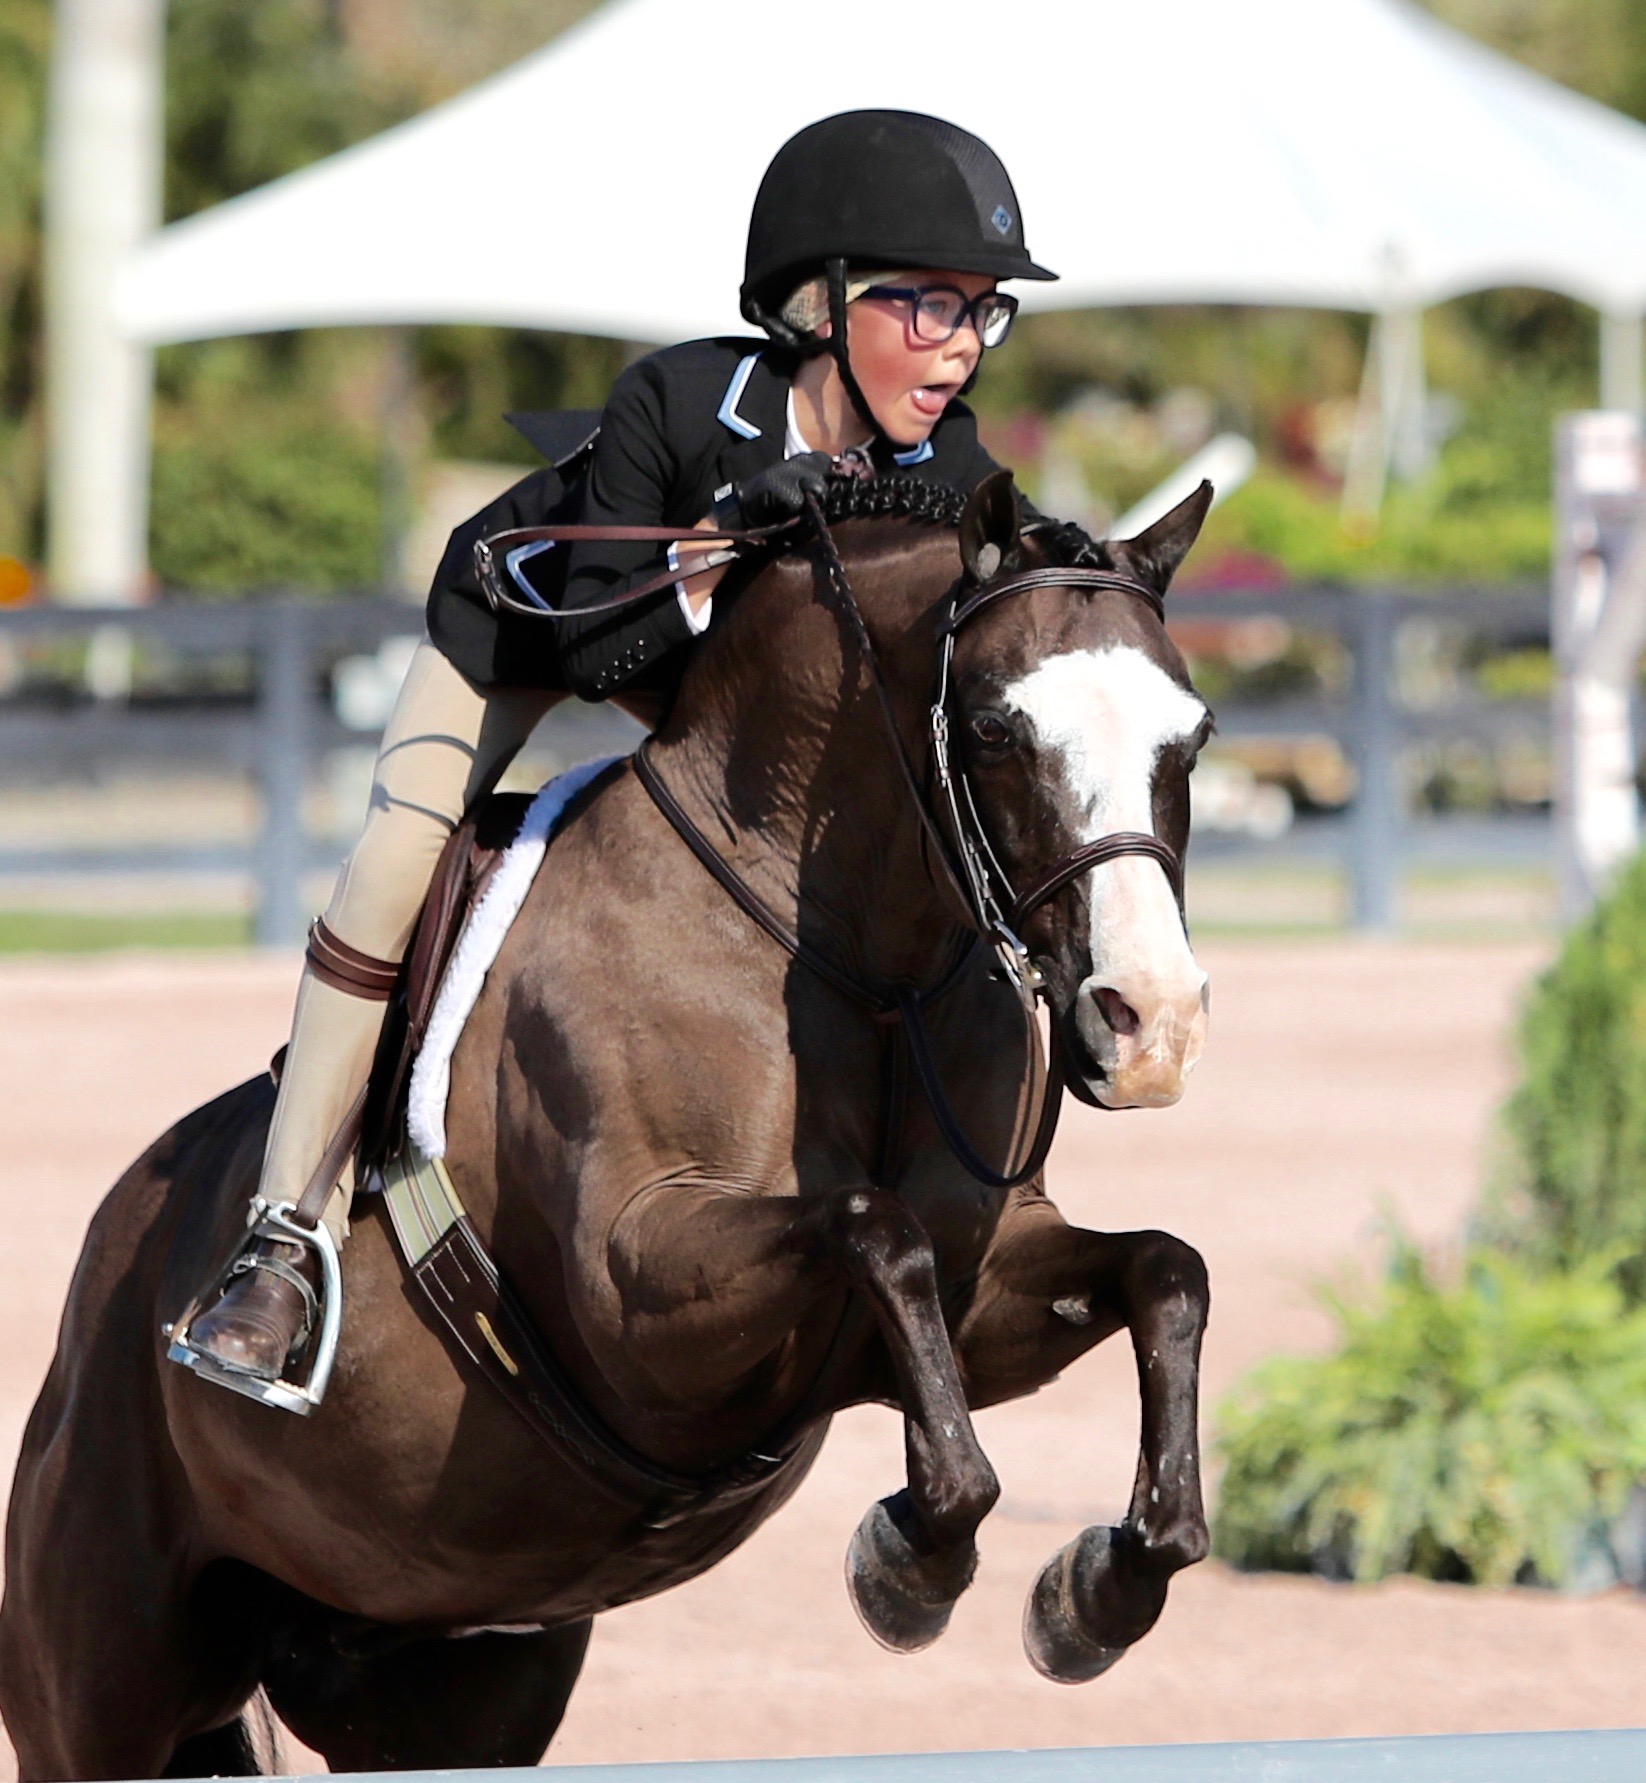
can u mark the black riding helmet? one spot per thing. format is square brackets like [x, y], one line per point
[876, 188]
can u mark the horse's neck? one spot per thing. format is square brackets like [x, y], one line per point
[780, 751]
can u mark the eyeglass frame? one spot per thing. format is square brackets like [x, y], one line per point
[912, 294]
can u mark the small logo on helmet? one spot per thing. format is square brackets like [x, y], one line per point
[1002, 219]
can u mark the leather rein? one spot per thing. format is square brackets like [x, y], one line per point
[964, 857]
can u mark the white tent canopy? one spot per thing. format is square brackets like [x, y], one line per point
[1349, 154]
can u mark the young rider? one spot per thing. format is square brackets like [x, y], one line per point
[875, 245]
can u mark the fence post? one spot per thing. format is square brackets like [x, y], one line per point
[1375, 824]
[284, 666]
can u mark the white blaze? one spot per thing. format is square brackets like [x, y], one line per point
[1105, 716]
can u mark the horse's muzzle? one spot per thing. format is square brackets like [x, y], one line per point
[1132, 1045]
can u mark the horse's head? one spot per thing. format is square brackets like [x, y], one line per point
[1077, 719]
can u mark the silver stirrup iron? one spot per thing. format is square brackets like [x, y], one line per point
[271, 1220]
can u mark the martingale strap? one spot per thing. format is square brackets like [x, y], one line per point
[899, 1006]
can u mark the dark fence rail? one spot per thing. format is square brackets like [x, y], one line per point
[281, 724]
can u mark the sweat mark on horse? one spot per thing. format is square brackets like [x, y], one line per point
[663, 1127]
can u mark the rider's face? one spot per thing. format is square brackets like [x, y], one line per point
[907, 381]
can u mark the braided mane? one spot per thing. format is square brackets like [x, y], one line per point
[892, 498]
[938, 504]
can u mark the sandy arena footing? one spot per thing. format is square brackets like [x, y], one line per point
[1343, 1078]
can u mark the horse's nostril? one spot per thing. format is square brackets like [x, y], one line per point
[1117, 1012]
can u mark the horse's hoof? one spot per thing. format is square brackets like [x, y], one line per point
[903, 1598]
[1056, 1636]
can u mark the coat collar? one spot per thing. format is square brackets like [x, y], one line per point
[754, 411]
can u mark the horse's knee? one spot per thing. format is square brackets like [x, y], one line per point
[877, 1239]
[1169, 1276]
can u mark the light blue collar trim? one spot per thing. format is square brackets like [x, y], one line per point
[727, 414]
[915, 455]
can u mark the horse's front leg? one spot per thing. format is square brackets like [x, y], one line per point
[1047, 1293]
[718, 1280]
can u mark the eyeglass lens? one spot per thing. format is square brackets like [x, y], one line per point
[939, 313]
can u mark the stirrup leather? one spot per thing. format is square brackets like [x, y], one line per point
[303, 1393]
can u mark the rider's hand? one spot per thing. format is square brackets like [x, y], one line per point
[779, 492]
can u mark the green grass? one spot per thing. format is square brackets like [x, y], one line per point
[47, 931]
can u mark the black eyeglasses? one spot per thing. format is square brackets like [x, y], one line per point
[941, 311]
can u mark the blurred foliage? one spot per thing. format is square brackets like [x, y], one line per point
[256, 88]
[1572, 1182]
[1596, 46]
[1488, 1430]
[25, 34]
[1445, 528]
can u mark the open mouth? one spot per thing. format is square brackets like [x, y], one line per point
[932, 399]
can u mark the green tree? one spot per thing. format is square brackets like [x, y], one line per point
[25, 36]
[1572, 1183]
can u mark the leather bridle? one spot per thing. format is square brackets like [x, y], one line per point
[999, 910]
[961, 853]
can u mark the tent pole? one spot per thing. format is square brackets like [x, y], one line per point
[1408, 426]
[102, 197]
[1622, 364]
[1368, 466]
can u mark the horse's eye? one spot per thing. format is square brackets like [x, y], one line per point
[990, 731]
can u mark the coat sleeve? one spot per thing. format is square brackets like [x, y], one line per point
[633, 481]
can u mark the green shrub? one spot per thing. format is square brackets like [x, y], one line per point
[1480, 1431]
[291, 507]
[1441, 530]
[1573, 1181]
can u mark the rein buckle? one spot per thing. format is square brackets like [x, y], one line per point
[1014, 956]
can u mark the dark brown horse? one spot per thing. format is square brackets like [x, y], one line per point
[663, 1126]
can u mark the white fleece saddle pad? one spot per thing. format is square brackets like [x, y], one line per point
[488, 922]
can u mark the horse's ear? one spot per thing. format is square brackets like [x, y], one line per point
[989, 527]
[1153, 556]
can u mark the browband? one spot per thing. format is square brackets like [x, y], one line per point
[1052, 577]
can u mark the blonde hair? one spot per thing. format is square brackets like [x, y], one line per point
[807, 308]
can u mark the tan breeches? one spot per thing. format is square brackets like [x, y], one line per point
[446, 745]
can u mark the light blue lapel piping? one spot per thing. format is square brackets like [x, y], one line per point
[915, 455]
[727, 414]
[523, 554]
